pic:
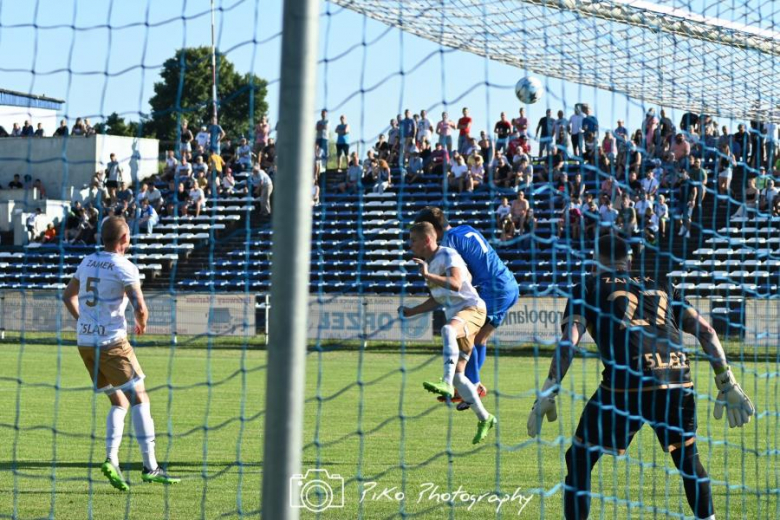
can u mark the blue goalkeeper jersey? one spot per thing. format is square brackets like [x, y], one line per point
[490, 276]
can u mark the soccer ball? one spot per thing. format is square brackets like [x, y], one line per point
[529, 90]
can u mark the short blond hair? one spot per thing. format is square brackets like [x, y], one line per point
[423, 228]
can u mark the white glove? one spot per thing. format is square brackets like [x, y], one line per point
[544, 405]
[738, 405]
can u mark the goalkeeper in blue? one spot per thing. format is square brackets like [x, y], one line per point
[449, 283]
[494, 282]
[637, 326]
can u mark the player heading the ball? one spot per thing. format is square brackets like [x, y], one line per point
[97, 297]
[637, 325]
[449, 282]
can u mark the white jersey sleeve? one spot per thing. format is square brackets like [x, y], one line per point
[103, 278]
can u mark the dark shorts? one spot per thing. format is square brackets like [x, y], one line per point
[112, 184]
[342, 149]
[612, 417]
[499, 305]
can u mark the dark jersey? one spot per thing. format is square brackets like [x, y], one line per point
[634, 322]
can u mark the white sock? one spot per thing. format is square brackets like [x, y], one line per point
[144, 433]
[115, 428]
[449, 352]
[468, 392]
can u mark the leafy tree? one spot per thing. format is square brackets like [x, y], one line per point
[115, 124]
[185, 90]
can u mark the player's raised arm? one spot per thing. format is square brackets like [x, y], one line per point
[136, 297]
[70, 297]
[738, 406]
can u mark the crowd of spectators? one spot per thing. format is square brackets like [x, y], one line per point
[635, 181]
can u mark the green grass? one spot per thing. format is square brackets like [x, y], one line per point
[200, 433]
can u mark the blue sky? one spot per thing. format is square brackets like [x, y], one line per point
[104, 56]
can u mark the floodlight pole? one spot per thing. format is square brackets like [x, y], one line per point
[291, 253]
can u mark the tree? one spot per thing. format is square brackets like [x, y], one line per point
[115, 124]
[185, 91]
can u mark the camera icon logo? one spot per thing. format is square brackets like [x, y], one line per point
[318, 490]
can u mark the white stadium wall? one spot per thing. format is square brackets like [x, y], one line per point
[62, 162]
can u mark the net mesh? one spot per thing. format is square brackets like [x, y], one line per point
[390, 449]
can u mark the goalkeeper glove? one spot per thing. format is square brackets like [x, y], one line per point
[544, 405]
[737, 403]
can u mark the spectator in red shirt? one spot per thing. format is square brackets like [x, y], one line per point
[464, 125]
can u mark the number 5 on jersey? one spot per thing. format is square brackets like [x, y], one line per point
[92, 286]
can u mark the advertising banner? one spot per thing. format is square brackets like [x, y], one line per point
[369, 317]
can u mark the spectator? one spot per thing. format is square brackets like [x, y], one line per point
[485, 145]
[142, 194]
[415, 168]
[39, 132]
[561, 184]
[16, 131]
[650, 184]
[609, 145]
[591, 217]
[544, 133]
[768, 196]
[502, 129]
[184, 170]
[34, 223]
[610, 188]
[518, 147]
[393, 139]
[575, 125]
[201, 138]
[354, 174]
[217, 163]
[520, 211]
[699, 178]
[114, 175]
[751, 198]
[171, 163]
[62, 131]
[147, 218]
[642, 205]
[15, 184]
[382, 177]
[78, 128]
[27, 129]
[444, 130]
[577, 187]
[476, 174]
[124, 194]
[776, 207]
[89, 130]
[424, 128]
[425, 154]
[244, 154]
[520, 123]
[590, 125]
[634, 184]
[196, 198]
[666, 127]
[650, 226]
[725, 138]
[342, 141]
[508, 230]
[725, 164]
[50, 235]
[524, 174]
[440, 160]
[687, 198]
[740, 144]
[661, 211]
[464, 126]
[503, 211]
[561, 130]
[649, 127]
[458, 176]
[262, 132]
[608, 214]
[216, 135]
[571, 218]
[38, 185]
[407, 130]
[322, 129]
[681, 149]
[621, 137]
[502, 175]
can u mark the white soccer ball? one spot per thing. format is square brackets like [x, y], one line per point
[529, 90]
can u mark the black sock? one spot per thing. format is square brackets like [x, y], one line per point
[695, 480]
[576, 495]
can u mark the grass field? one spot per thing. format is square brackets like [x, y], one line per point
[365, 419]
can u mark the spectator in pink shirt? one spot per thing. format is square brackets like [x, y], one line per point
[444, 130]
[262, 130]
[681, 149]
[609, 145]
[521, 123]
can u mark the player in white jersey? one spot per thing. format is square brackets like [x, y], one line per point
[97, 297]
[449, 282]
